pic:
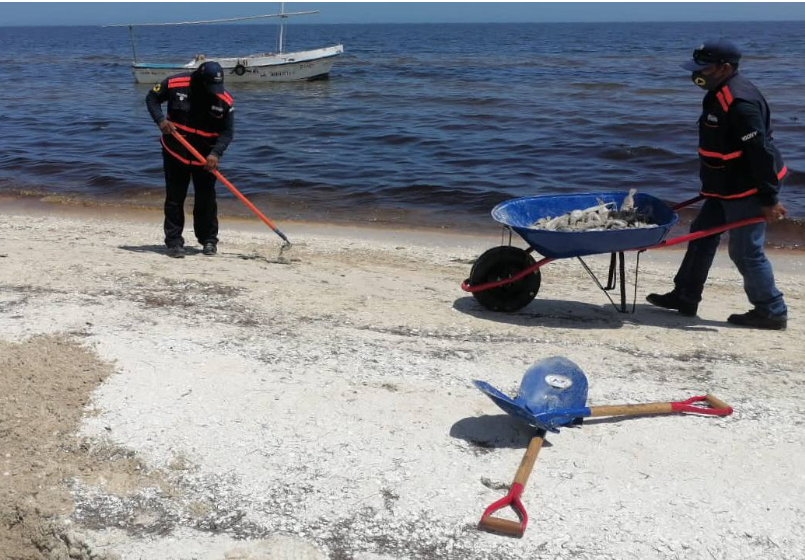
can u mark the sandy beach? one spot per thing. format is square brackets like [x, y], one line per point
[317, 404]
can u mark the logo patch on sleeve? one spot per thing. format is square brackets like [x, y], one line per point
[749, 136]
[156, 88]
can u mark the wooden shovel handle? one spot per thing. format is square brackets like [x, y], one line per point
[498, 525]
[717, 408]
[631, 409]
[715, 402]
[527, 463]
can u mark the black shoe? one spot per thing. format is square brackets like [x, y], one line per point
[209, 249]
[757, 320]
[674, 301]
[176, 252]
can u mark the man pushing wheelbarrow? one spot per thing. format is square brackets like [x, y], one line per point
[741, 173]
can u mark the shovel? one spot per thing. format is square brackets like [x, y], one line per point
[231, 187]
[553, 393]
[505, 526]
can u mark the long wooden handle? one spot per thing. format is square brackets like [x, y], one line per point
[499, 525]
[527, 463]
[715, 402]
[631, 409]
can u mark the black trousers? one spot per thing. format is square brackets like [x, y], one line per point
[205, 210]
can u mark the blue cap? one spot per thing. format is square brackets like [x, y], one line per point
[212, 76]
[718, 51]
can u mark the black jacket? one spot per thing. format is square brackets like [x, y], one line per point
[207, 123]
[737, 154]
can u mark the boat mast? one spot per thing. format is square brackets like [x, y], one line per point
[133, 44]
[281, 32]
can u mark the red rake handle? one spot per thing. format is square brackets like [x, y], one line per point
[230, 186]
[512, 499]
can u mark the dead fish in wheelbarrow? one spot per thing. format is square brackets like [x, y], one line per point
[602, 217]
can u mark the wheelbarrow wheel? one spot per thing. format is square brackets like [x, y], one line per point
[500, 263]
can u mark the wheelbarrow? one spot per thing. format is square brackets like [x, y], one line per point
[507, 278]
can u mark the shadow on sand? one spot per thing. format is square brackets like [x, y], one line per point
[564, 314]
[500, 431]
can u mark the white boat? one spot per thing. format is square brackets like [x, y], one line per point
[279, 66]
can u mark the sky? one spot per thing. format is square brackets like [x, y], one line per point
[101, 13]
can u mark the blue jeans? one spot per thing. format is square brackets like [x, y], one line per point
[745, 249]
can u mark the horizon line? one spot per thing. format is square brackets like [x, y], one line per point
[101, 25]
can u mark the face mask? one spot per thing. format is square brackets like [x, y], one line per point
[705, 82]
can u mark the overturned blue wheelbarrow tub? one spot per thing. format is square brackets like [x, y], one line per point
[507, 278]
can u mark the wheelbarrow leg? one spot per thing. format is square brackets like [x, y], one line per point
[617, 267]
[611, 278]
[622, 260]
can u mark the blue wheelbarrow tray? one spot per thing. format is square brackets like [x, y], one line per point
[520, 213]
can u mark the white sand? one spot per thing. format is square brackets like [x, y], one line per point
[323, 408]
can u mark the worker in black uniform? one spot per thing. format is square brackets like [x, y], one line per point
[741, 173]
[200, 110]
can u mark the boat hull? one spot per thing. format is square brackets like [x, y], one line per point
[286, 67]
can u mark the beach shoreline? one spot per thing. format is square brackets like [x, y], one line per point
[788, 235]
[317, 403]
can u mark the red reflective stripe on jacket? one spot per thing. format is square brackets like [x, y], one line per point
[226, 98]
[782, 172]
[744, 194]
[721, 100]
[723, 157]
[178, 82]
[196, 131]
[727, 94]
[177, 156]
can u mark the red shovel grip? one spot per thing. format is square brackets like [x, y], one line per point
[504, 525]
[717, 406]
[512, 499]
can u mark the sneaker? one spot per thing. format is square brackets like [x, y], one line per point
[674, 301]
[176, 252]
[209, 249]
[757, 320]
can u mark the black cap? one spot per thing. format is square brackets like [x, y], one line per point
[212, 76]
[713, 52]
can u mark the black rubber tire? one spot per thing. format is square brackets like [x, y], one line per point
[504, 262]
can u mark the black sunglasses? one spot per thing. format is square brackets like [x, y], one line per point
[706, 57]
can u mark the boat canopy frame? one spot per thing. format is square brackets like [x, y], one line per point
[282, 15]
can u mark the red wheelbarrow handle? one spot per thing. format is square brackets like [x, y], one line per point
[505, 526]
[704, 233]
[465, 285]
[688, 202]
